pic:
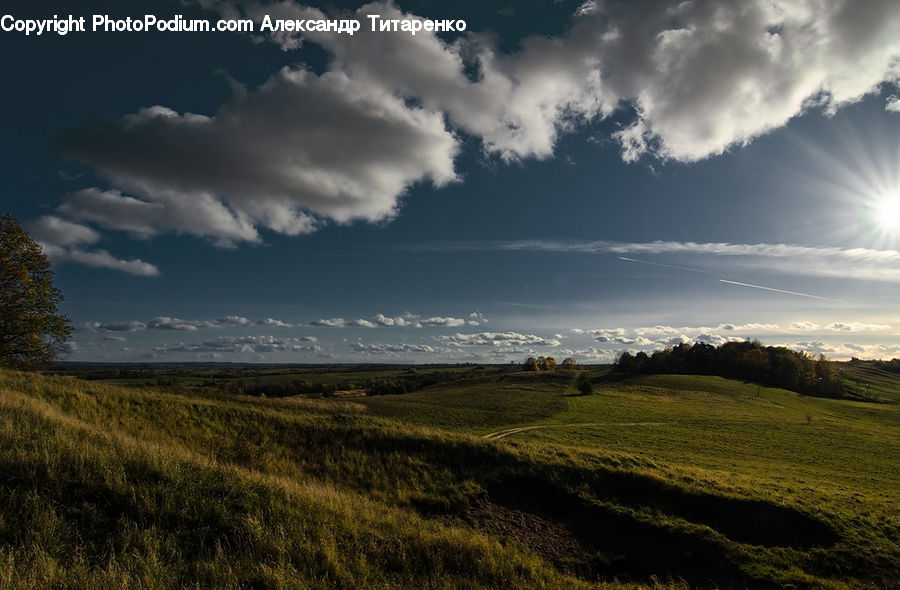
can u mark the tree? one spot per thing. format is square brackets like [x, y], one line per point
[583, 384]
[568, 364]
[32, 332]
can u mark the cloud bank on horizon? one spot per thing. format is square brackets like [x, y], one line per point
[391, 110]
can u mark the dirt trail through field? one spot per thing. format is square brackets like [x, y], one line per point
[504, 433]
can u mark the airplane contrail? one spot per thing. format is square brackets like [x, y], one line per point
[752, 286]
[779, 290]
[687, 268]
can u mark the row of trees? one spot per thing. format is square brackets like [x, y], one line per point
[892, 365]
[407, 382]
[775, 366]
[548, 363]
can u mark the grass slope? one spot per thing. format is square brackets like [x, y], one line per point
[104, 486]
[864, 379]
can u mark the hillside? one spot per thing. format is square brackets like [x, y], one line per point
[728, 486]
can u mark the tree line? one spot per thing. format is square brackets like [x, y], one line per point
[547, 363]
[775, 366]
[407, 382]
[892, 365]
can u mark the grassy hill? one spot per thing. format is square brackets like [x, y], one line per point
[865, 380]
[667, 481]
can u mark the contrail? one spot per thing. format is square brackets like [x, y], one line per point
[669, 265]
[779, 290]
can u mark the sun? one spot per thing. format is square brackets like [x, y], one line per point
[887, 214]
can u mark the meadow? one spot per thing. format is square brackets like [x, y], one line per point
[652, 481]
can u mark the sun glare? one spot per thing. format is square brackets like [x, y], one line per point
[887, 213]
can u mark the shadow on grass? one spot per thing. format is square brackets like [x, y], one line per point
[612, 543]
[619, 524]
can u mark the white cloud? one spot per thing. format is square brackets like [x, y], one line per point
[298, 148]
[846, 350]
[860, 263]
[329, 323]
[518, 104]
[59, 232]
[383, 320]
[274, 323]
[99, 259]
[243, 344]
[345, 145]
[233, 320]
[892, 104]
[170, 323]
[476, 318]
[62, 241]
[163, 210]
[415, 321]
[439, 321]
[856, 327]
[132, 326]
[658, 337]
[705, 75]
[702, 76]
[381, 348]
[499, 339]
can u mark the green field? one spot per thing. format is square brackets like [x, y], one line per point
[652, 481]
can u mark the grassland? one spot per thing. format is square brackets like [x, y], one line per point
[732, 486]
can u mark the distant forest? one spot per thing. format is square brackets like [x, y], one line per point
[775, 366]
[892, 365]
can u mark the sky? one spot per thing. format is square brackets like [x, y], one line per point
[565, 178]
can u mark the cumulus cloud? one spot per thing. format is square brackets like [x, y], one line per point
[856, 327]
[382, 320]
[160, 210]
[99, 259]
[893, 104]
[274, 323]
[498, 339]
[132, 326]
[63, 241]
[233, 320]
[476, 318]
[243, 344]
[303, 148]
[298, 148]
[517, 106]
[439, 321]
[170, 323]
[53, 230]
[657, 337]
[846, 350]
[382, 348]
[411, 320]
[706, 75]
[701, 76]
[329, 323]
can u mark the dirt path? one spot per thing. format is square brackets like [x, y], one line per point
[504, 433]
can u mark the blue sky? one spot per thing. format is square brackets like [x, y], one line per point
[567, 179]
